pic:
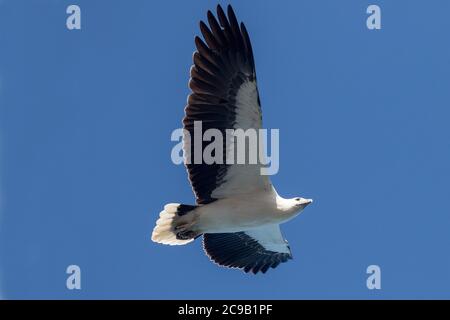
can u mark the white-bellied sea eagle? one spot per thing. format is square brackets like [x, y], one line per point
[238, 211]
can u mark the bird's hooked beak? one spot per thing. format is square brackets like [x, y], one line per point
[305, 202]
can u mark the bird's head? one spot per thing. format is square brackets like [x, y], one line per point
[301, 203]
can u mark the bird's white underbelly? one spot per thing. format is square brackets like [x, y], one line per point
[237, 214]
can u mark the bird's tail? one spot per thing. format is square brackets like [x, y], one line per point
[175, 225]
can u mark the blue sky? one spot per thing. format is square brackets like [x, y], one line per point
[85, 123]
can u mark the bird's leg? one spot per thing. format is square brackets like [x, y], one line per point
[184, 232]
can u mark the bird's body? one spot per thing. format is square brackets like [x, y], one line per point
[241, 212]
[238, 210]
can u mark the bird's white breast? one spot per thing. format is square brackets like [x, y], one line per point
[242, 212]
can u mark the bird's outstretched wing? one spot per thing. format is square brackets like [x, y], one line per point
[224, 96]
[252, 251]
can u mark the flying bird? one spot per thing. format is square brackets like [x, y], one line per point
[238, 211]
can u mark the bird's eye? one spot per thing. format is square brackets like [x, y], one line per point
[297, 199]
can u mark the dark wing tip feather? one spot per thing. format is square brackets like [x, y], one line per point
[220, 11]
[247, 45]
[208, 36]
[233, 20]
[216, 30]
[222, 17]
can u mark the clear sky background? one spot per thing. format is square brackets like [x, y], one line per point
[85, 123]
